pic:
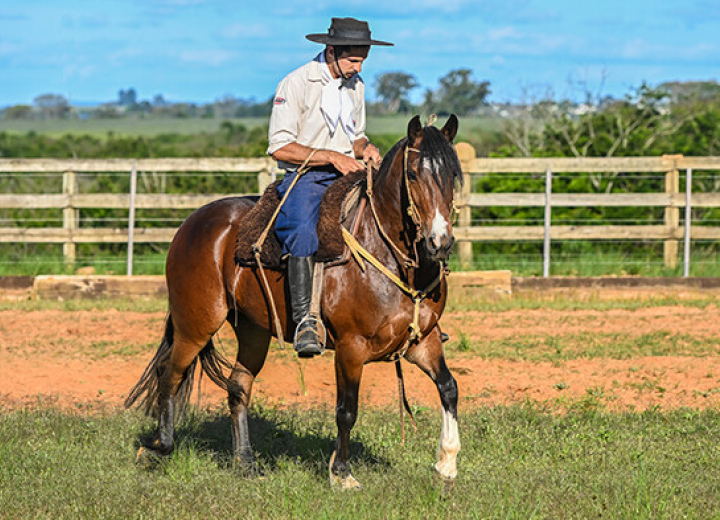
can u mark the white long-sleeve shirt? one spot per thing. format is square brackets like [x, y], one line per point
[296, 115]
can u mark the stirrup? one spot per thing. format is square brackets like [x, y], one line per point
[316, 346]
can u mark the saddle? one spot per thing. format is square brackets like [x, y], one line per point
[338, 209]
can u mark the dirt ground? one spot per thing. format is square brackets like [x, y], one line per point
[90, 359]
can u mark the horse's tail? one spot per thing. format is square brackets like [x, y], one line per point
[146, 392]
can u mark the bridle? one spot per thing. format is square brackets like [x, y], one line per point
[412, 207]
[411, 264]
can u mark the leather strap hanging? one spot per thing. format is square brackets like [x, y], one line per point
[257, 248]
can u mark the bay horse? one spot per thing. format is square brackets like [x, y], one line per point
[368, 316]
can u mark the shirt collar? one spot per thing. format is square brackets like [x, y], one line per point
[315, 73]
[315, 68]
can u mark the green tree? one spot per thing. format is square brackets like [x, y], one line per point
[52, 105]
[17, 112]
[393, 89]
[458, 93]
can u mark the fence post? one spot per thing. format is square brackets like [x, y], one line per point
[546, 223]
[131, 220]
[466, 155]
[266, 176]
[71, 216]
[672, 213]
[688, 223]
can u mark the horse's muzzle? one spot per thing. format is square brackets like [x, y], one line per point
[439, 249]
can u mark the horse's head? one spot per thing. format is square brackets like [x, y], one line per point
[431, 168]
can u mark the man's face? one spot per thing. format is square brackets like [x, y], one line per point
[349, 62]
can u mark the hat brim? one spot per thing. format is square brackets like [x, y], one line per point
[329, 40]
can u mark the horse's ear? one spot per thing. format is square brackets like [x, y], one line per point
[414, 129]
[451, 127]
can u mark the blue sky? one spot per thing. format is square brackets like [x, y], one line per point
[200, 50]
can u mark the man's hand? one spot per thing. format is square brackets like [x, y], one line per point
[372, 155]
[345, 164]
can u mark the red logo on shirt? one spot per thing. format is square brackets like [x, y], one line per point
[279, 101]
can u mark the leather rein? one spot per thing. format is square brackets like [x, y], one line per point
[411, 264]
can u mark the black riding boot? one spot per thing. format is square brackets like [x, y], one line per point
[300, 282]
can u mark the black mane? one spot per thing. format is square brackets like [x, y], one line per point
[434, 145]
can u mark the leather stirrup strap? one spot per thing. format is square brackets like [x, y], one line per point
[316, 299]
[257, 248]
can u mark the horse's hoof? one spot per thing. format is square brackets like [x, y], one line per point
[147, 458]
[444, 484]
[248, 469]
[347, 483]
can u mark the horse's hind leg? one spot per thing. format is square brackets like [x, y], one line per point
[253, 343]
[173, 377]
[428, 355]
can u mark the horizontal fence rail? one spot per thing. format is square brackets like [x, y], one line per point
[672, 200]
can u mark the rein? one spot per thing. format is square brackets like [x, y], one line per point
[400, 256]
[359, 252]
[257, 247]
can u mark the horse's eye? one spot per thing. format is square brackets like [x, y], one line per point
[412, 174]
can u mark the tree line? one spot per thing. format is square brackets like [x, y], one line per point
[456, 92]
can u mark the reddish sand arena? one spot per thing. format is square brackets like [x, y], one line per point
[90, 359]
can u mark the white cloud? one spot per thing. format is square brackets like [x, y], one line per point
[75, 71]
[497, 62]
[243, 30]
[8, 49]
[642, 49]
[212, 57]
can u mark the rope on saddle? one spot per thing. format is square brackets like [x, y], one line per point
[257, 247]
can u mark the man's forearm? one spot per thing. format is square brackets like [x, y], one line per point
[296, 153]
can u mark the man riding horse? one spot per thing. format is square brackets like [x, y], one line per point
[319, 107]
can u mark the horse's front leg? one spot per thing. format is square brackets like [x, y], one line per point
[348, 372]
[429, 356]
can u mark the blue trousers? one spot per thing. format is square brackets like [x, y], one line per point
[296, 225]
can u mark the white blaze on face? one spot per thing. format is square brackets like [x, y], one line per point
[449, 447]
[439, 228]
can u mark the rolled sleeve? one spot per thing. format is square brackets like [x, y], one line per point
[285, 117]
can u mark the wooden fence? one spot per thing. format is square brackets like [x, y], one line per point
[671, 232]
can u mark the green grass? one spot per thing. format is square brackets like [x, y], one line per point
[519, 302]
[33, 265]
[383, 125]
[100, 128]
[588, 345]
[593, 262]
[99, 304]
[516, 462]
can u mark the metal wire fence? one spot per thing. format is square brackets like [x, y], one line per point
[634, 222]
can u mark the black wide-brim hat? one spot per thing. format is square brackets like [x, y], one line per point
[346, 31]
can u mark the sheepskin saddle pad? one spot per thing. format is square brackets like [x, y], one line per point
[338, 208]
